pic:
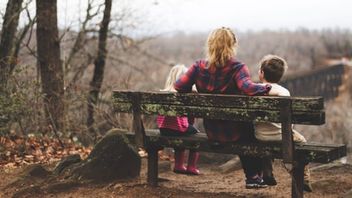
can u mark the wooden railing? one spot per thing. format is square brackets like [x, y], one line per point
[323, 82]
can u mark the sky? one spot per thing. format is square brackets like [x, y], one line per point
[194, 15]
[189, 16]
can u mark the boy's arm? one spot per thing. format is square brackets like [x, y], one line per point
[278, 90]
[274, 91]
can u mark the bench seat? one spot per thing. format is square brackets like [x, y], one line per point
[309, 152]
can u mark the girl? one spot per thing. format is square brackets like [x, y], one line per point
[179, 126]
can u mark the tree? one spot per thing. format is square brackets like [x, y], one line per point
[8, 37]
[99, 65]
[49, 62]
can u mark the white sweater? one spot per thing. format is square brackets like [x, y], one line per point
[267, 131]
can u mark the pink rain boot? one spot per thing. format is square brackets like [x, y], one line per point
[192, 163]
[179, 159]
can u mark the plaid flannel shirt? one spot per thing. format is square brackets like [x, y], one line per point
[234, 78]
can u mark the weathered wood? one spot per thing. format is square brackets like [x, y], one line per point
[152, 166]
[288, 148]
[138, 127]
[284, 110]
[324, 82]
[308, 152]
[286, 131]
[238, 114]
[219, 100]
[298, 179]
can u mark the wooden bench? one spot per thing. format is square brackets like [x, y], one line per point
[284, 110]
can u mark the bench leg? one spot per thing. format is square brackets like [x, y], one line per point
[153, 167]
[297, 180]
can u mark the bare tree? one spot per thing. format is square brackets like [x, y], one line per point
[81, 39]
[8, 37]
[99, 64]
[50, 64]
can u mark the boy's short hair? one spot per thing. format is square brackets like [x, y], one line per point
[273, 68]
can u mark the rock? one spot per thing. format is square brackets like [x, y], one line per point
[164, 166]
[322, 184]
[66, 162]
[211, 158]
[112, 158]
[61, 186]
[334, 164]
[231, 165]
[36, 170]
[348, 194]
[27, 192]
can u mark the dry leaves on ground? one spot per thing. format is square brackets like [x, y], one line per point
[20, 150]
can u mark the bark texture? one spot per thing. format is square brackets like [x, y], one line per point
[8, 38]
[99, 66]
[49, 62]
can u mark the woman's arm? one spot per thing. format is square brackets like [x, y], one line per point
[185, 83]
[246, 85]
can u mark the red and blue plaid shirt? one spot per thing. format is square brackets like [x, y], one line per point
[233, 78]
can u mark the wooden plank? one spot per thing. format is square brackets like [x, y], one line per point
[238, 114]
[297, 180]
[312, 152]
[122, 107]
[219, 100]
[286, 132]
[152, 167]
[322, 154]
[137, 126]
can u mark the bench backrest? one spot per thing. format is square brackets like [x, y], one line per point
[303, 110]
[284, 110]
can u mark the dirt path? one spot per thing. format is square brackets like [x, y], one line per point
[327, 182]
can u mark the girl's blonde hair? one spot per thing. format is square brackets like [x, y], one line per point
[174, 74]
[221, 46]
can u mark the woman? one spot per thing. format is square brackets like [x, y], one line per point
[221, 73]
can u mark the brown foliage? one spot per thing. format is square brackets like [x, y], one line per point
[21, 150]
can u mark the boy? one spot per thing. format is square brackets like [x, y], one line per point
[271, 70]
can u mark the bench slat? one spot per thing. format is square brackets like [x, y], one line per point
[212, 100]
[312, 152]
[238, 114]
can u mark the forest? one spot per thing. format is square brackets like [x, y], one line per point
[56, 81]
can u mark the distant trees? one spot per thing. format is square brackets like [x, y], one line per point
[49, 62]
[304, 49]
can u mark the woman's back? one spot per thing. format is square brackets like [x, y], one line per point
[221, 73]
[230, 79]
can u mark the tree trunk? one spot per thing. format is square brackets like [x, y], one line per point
[99, 65]
[8, 36]
[50, 66]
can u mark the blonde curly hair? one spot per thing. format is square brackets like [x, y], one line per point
[175, 73]
[221, 46]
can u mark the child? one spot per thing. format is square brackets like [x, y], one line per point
[179, 126]
[271, 70]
